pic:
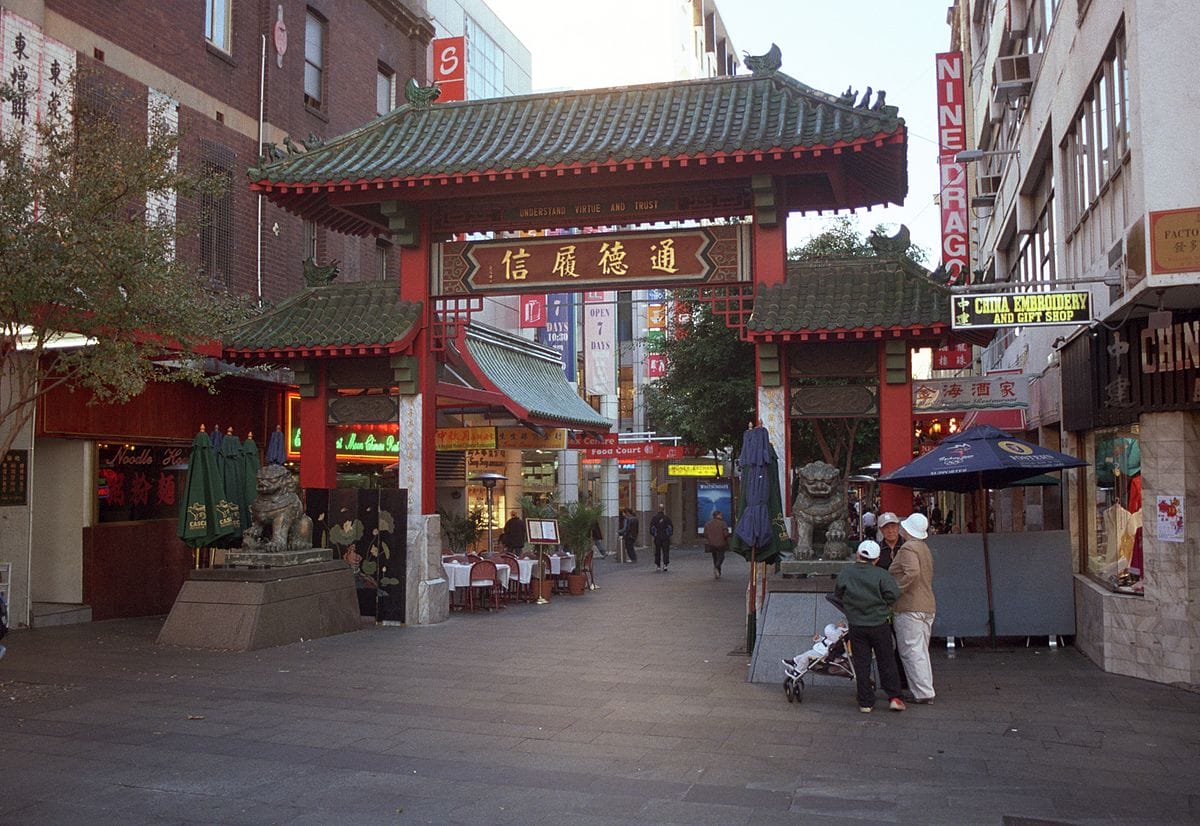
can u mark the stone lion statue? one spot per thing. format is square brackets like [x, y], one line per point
[820, 500]
[277, 519]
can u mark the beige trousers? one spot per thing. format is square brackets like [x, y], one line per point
[912, 639]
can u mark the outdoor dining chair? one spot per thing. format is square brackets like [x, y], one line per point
[485, 583]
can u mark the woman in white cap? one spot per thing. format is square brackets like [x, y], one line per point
[867, 593]
[913, 621]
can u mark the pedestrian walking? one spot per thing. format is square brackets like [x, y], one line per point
[716, 540]
[598, 540]
[661, 528]
[514, 535]
[915, 609]
[868, 524]
[629, 534]
[888, 525]
[867, 593]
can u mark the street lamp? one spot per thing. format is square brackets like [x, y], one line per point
[489, 479]
[971, 155]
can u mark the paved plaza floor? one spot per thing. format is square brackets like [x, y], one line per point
[624, 705]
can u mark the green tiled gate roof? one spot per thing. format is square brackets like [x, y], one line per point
[365, 318]
[869, 295]
[773, 121]
[531, 376]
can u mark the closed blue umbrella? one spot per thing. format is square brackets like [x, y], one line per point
[760, 534]
[978, 459]
[276, 449]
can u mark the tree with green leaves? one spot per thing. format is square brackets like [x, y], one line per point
[92, 294]
[708, 393]
[845, 443]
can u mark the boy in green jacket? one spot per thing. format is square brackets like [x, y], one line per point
[867, 593]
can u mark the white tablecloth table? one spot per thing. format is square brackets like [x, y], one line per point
[559, 565]
[458, 575]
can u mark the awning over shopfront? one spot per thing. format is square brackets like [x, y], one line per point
[336, 320]
[1009, 419]
[491, 368]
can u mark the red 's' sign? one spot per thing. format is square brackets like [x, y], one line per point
[450, 67]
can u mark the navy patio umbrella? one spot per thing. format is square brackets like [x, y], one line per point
[760, 534]
[978, 459]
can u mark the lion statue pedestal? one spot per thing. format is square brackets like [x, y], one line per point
[820, 500]
[277, 589]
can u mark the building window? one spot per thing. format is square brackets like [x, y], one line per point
[1031, 260]
[485, 64]
[385, 90]
[1116, 558]
[216, 23]
[384, 251]
[314, 60]
[1095, 147]
[309, 244]
[216, 227]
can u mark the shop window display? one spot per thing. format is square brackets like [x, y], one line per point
[1116, 558]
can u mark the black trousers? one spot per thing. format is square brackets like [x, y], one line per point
[629, 551]
[662, 552]
[718, 555]
[874, 639]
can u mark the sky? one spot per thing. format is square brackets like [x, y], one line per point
[884, 44]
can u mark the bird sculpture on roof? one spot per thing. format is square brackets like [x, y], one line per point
[420, 96]
[865, 103]
[764, 64]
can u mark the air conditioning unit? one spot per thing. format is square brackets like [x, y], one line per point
[1015, 25]
[987, 184]
[1012, 76]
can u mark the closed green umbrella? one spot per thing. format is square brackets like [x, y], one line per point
[231, 467]
[250, 466]
[205, 515]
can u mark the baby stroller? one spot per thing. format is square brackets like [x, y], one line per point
[830, 655]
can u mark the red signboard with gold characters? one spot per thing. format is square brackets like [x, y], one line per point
[621, 261]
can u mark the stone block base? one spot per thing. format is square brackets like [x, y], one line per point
[811, 567]
[276, 559]
[243, 610]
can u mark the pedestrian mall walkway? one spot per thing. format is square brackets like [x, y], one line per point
[625, 705]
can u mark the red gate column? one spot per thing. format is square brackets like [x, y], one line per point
[318, 459]
[770, 269]
[418, 470]
[895, 421]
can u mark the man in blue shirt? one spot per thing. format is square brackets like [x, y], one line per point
[867, 593]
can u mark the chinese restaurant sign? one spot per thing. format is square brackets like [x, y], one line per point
[969, 393]
[614, 261]
[954, 357]
[465, 438]
[1020, 309]
[139, 481]
[1175, 240]
[951, 141]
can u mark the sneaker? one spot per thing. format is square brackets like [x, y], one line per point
[865, 709]
[716, 574]
[658, 567]
[922, 701]
[896, 704]
[664, 569]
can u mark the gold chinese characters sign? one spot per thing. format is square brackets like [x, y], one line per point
[499, 438]
[1020, 309]
[1175, 240]
[625, 260]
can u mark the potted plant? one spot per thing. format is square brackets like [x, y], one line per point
[575, 522]
[459, 532]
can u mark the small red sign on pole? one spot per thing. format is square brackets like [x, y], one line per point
[450, 67]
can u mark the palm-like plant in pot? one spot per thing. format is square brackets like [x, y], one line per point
[458, 531]
[575, 522]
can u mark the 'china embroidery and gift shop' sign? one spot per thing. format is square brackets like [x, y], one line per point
[1020, 309]
[970, 393]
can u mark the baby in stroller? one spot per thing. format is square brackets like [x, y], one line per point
[828, 655]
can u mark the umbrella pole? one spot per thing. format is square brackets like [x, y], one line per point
[752, 608]
[982, 507]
